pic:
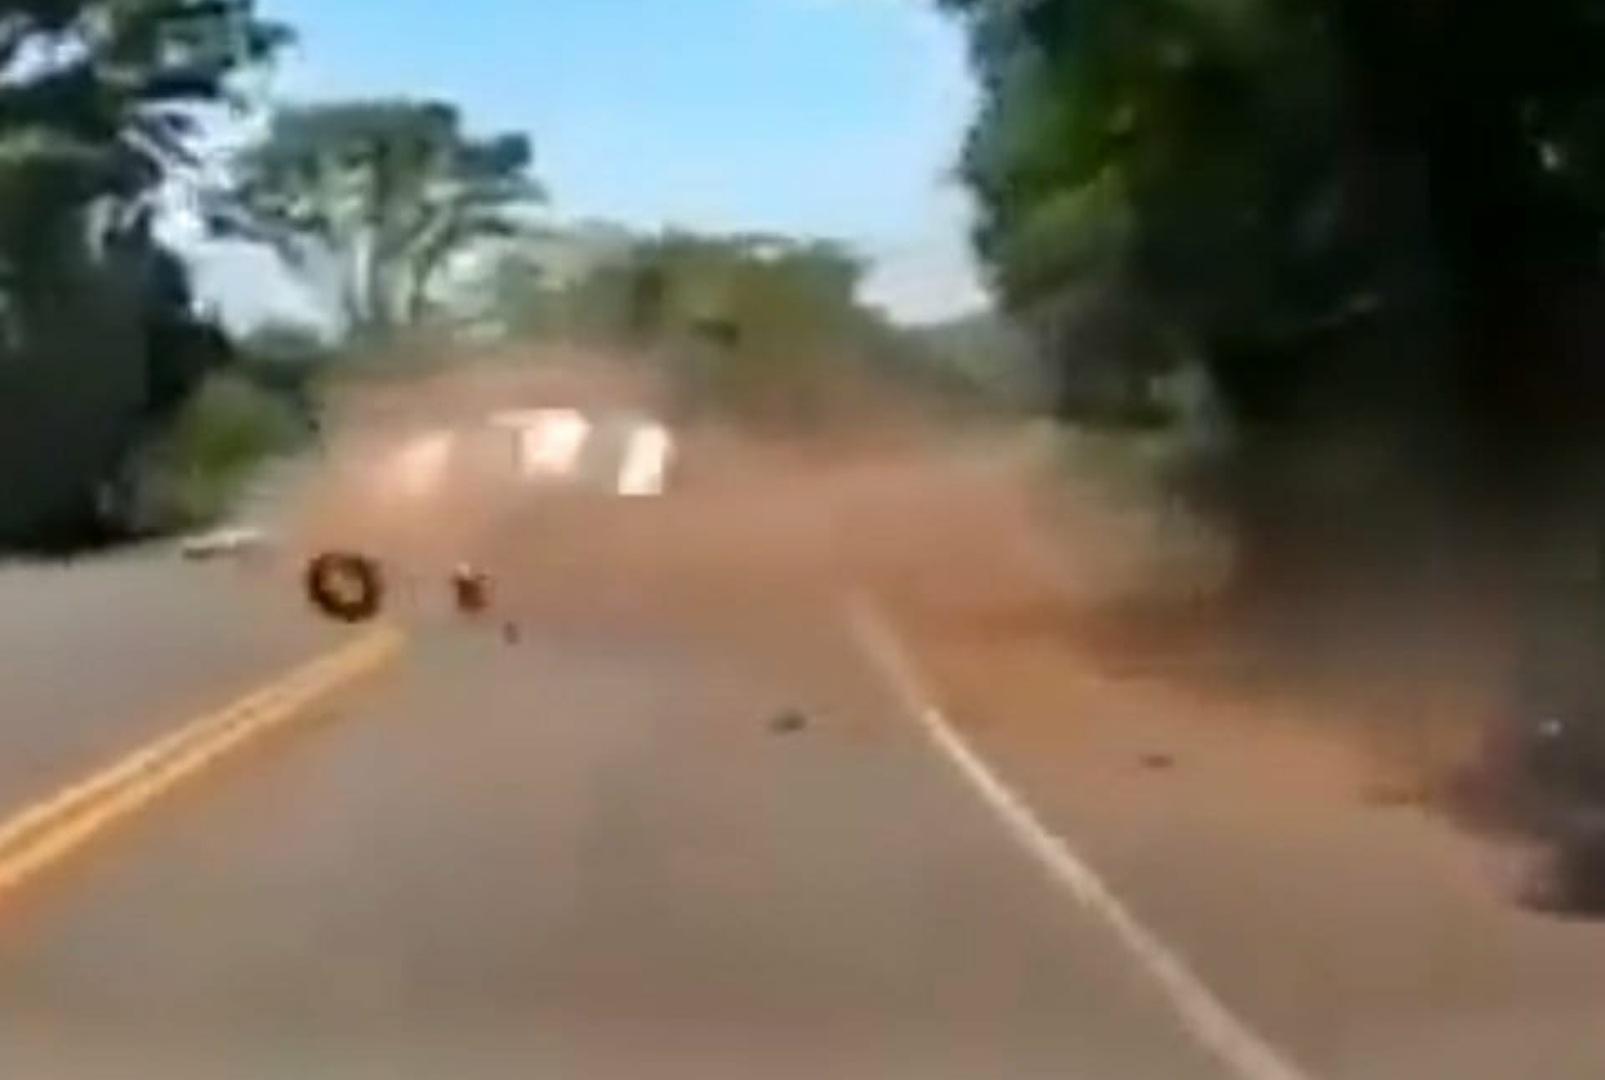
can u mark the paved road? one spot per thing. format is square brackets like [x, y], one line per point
[585, 854]
[101, 654]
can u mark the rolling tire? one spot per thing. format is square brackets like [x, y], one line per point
[345, 586]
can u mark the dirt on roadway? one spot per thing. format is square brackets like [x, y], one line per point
[1287, 846]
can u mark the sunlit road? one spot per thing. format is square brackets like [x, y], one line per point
[590, 847]
[101, 654]
[693, 817]
[583, 854]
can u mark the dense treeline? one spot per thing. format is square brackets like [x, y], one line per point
[1375, 226]
[765, 329]
[100, 340]
[127, 407]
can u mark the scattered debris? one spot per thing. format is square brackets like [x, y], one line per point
[788, 722]
[471, 588]
[1157, 761]
[1394, 793]
[235, 540]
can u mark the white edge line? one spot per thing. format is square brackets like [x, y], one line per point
[1205, 1017]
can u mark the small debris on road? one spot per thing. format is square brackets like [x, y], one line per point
[788, 722]
[511, 633]
[1158, 762]
[1391, 793]
[236, 540]
[471, 588]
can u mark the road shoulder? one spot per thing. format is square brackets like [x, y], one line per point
[1369, 940]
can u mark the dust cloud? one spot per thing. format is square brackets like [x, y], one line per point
[889, 503]
[1022, 583]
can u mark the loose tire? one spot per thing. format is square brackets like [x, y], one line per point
[345, 586]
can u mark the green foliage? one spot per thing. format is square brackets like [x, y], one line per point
[519, 297]
[99, 341]
[230, 424]
[1374, 227]
[105, 106]
[983, 358]
[762, 327]
[286, 359]
[1187, 151]
[387, 190]
[191, 473]
[1299, 191]
[72, 382]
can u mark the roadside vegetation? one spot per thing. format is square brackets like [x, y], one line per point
[101, 341]
[133, 408]
[1368, 237]
[1314, 282]
[769, 331]
[1370, 233]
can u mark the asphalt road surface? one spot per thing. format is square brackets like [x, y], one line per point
[588, 853]
[100, 655]
[591, 849]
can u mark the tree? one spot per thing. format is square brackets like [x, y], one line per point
[1187, 152]
[99, 105]
[388, 191]
[766, 328]
[1373, 223]
[519, 297]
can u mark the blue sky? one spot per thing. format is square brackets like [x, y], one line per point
[830, 117]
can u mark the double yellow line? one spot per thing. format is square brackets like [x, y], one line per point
[48, 831]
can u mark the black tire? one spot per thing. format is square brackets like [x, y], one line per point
[346, 587]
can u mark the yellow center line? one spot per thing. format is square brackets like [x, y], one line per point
[49, 830]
